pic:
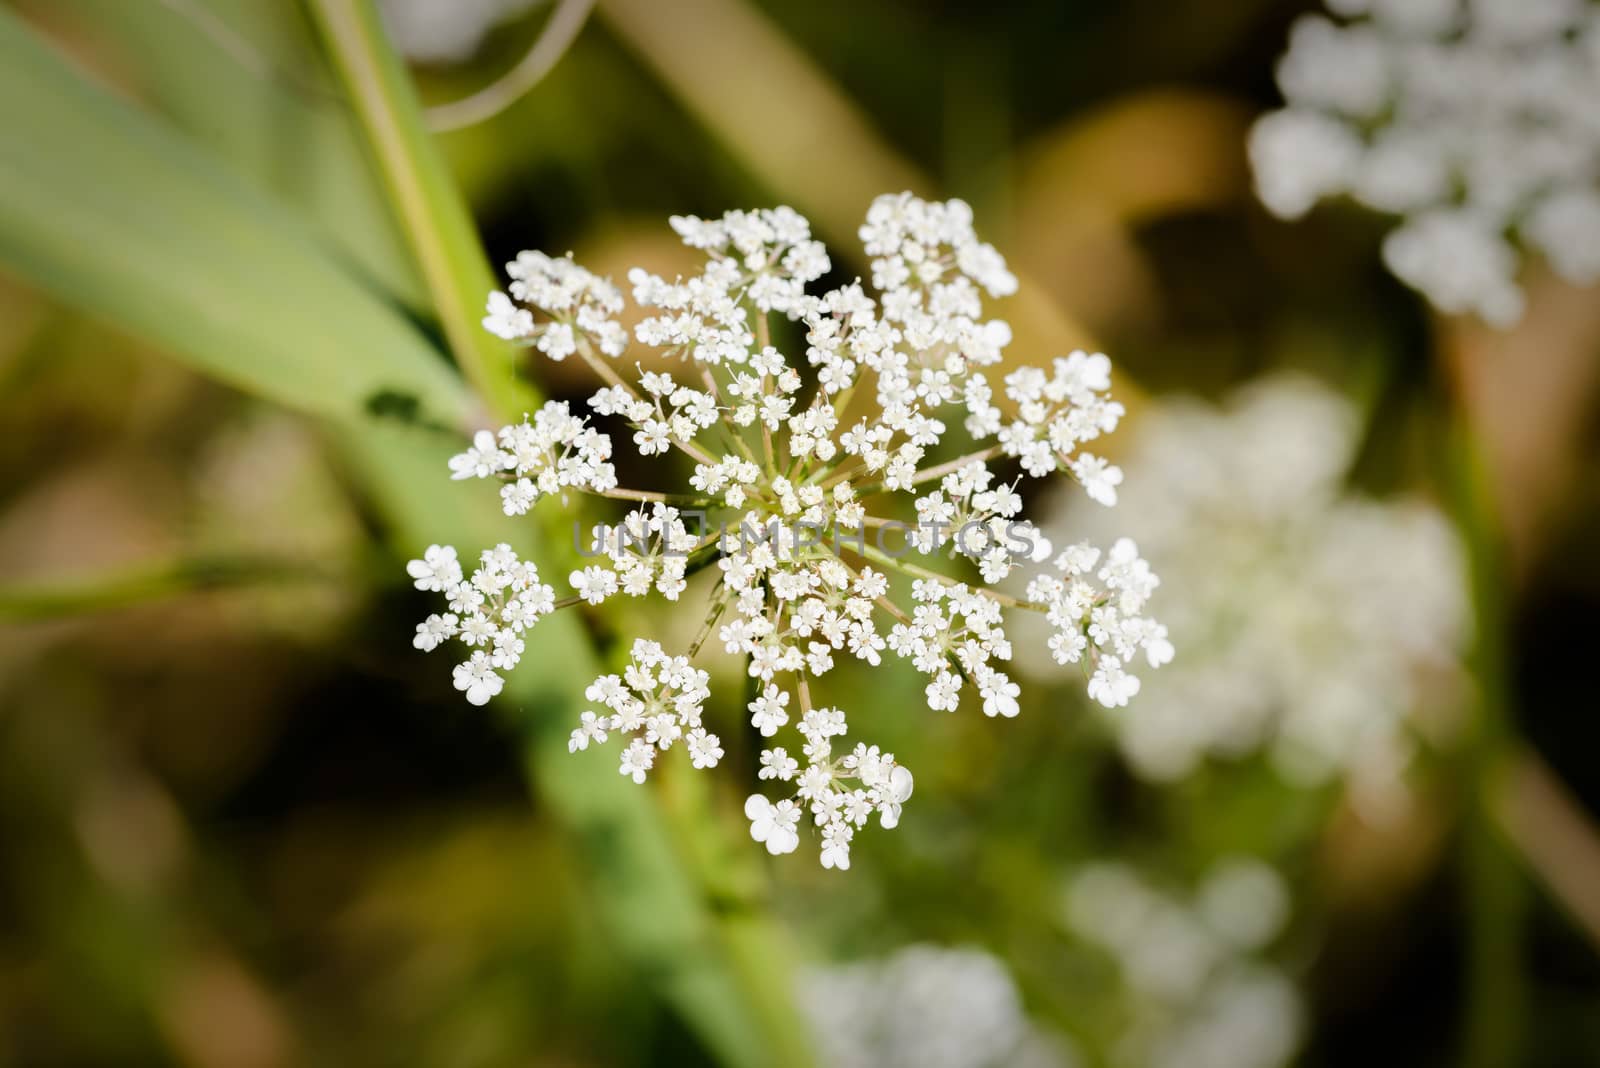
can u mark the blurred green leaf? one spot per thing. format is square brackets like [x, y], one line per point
[244, 78]
[116, 214]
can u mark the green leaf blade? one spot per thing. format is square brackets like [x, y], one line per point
[115, 214]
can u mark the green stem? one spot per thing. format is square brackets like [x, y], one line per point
[1494, 998]
[424, 198]
[911, 570]
[35, 601]
[681, 500]
[762, 966]
[981, 456]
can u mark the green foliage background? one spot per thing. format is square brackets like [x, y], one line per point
[244, 825]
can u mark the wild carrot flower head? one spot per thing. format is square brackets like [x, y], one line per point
[820, 435]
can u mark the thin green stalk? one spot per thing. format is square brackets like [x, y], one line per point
[910, 570]
[743, 932]
[139, 585]
[424, 197]
[1494, 996]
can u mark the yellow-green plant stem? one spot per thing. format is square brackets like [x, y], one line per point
[737, 898]
[1496, 895]
[427, 206]
[150, 582]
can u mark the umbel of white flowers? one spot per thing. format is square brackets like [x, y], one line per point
[834, 437]
[1193, 985]
[926, 1006]
[1197, 988]
[1315, 620]
[1473, 120]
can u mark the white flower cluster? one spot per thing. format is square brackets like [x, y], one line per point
[953, 634]
[488, 612]
[553, 453]
[925, 1007]
[1195, 992]
[658, 700]
[1106, 620]
[1312, 618]
[573, 302]
[812, 424]
[1059, 412]
[929, 265]
[648, 550]
[842, 794]
[1472, 119]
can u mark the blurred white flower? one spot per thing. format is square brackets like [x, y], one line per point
[925, 1007]
[1460, 260]
[1309, 615]
[1195, 995]
[1473, 120]
[797, 495]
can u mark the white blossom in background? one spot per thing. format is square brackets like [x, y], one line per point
[824, 463]
[1472, 120]
[1196, 990]
[1312, 619]
[925, 1007]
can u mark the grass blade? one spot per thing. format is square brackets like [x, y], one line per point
[243, 78]
[116, 214]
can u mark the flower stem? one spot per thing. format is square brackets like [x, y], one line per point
[931, 473]
[426, 203]
[600, 367]
[682, 500]
[720, 598]
[841, 400]
[846, 470]
[1497, 896]
[803, 688]
[149, 583]
[918, 571]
